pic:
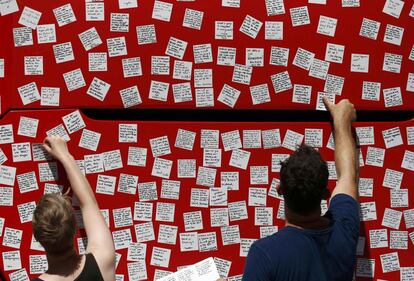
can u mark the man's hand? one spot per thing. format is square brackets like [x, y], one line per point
[56, 146]
[343, 113]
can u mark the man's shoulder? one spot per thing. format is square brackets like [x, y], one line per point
[343, 207]
[343, 197]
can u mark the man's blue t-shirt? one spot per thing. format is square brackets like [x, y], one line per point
[294, 254]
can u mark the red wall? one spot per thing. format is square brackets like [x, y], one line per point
[305, 36]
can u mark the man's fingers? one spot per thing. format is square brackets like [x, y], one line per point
[328, 103]
[354, 115]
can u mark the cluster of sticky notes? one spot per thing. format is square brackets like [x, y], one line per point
[187, 52]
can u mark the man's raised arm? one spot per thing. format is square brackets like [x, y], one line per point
[346, 160]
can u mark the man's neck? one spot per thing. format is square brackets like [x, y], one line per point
[313, 220]
[64, 264]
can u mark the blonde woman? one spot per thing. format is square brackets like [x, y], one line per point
[54, 226]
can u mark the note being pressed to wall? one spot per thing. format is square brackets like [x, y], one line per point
[204, 270]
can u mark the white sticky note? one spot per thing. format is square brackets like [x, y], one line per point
[359, 63]
[73, 121]
[319, 69]
[393, 8]
[391, 218]
[371, 90]
[273, 30]
[303, 59]
[30, 17]
[410, 82]
[8, 7]
[90, 39]
[28, 127]
[327, 26]
[392, 97]
[176, 48]
[64, 15]
[12, 237]
[159, 90]
[94, 11]
[369, 28]
[116, 46]
[119, 22]
[251, 26]
[130, 96]
[281, 81]
[162, 10]
[46, 33]
[74, 79]
[319, 101]
[22, 36]
[7, 176]
[229, 95]
[63, 52]
[334, 53]
[408, 160]
[29, 93]
[21, 152]
[260, 94]
[146, 34]
[202, 53]
[224, 30]
[392, 63]
[392, 137]
[230, 3]
[11, 260]
[393, 34]
[390, 262]
[242, 74]
[193, 19]
[127, 4]
[98, 89]
[299, 16]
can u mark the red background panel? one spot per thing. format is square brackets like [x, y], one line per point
[259, 157]
[347, 34]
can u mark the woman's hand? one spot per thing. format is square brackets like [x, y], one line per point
[56, 146]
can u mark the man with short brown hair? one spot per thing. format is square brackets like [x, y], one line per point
[310, 246]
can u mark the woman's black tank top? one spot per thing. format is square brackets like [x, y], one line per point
[89, 272]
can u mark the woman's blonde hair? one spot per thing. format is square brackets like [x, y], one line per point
[54, 223]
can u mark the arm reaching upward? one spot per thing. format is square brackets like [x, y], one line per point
[57, 147]
[346, 161]
[100, 242]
